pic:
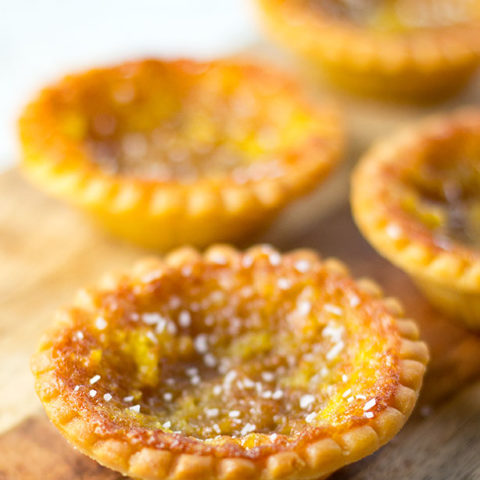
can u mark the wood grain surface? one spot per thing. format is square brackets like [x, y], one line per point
[48, 250]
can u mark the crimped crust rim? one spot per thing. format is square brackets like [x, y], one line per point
[424, 50]
[79, 181]
[458, 267]
[318, 458]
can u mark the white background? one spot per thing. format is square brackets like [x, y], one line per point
[43, 39]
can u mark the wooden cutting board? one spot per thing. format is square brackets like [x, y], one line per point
[47, 251]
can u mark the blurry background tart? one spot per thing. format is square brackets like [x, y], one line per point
[230, 365]
[165, 153]
[416, 198]
[398, 49]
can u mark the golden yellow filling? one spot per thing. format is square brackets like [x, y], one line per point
[181, 122]
[444, 196]
[194, 144]
[212, 350]
[400, 15]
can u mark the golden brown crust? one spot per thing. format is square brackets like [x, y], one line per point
[162, 213]
[134, 451]
[351, 57]
[447, 269]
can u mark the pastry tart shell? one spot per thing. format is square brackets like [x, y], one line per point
[419, 66]
[167, 213]
[319, 453]
[447, 272]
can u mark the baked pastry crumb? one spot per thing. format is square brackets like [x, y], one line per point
[167, 153]
[415, 197]
[230, 365]
[401, 50]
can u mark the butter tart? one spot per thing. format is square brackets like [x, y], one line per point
[230, 365]
[167, 153]
[417, 50]
[416, 198]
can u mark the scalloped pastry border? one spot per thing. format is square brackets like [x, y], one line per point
[449, 278]
[344, 48]
[165, 215]
[315, 460]
[457, 268]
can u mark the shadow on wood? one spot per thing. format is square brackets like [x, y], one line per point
[34, 450]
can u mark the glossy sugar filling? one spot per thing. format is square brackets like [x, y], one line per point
[182, 126]
[211, 350]
[445, 196]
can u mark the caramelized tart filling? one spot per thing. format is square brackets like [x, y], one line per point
[399, 15]
[180, 121]
[256, 349]
[443, 194]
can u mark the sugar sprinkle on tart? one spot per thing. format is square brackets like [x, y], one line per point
[253, 376]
